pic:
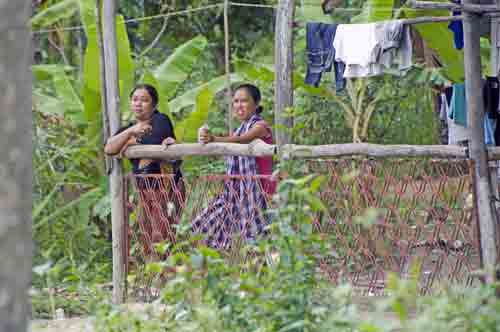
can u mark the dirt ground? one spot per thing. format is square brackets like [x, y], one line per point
[63, 325]
[84, 324]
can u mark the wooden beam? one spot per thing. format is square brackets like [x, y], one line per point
[465, 6]
[374, 150]
[475, 105]
[430, 19]
[257, 148]
[260, 149]
[283, 81]
[116, 176]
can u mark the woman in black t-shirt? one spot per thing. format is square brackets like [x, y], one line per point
[160, 198]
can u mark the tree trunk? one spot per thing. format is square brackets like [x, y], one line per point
[16, 165]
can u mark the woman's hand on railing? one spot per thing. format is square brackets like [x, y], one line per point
[168, 141]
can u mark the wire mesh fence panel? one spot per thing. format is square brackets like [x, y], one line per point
[403, 216]
[411, 217]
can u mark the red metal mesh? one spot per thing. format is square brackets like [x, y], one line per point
[158, 205]
[421, 213]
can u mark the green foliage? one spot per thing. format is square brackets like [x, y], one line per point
[438, 37]
[92, 81]
[65, 99]
[375, 10]
[275, 285]
[177, 67]
[55, 13]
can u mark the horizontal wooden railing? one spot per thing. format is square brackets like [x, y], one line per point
[259, 149]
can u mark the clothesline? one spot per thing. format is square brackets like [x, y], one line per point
[139, 19]
[242, 4]
[157, 16]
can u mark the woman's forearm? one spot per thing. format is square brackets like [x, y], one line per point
[254, 133]
[115, 143]
[228, 139]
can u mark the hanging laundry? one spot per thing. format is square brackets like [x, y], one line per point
[491, 95]
[457, 124]
[489, 130]
[458, 31]
[321, 54]
[444, 106]
[396, 48]
[371, 49]
[458, 111]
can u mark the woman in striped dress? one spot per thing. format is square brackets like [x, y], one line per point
[238, 212]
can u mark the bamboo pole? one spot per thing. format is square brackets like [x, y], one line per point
[283, 81]
[494, 57]
[430, 19]
[227, 57]
[116, 176]
[465, 6]
[108, 161]
[259, 149]
[475, 105]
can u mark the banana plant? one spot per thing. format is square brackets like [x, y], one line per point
[54, 13]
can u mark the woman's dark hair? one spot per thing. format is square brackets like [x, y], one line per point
[151, 91]
[254, 92]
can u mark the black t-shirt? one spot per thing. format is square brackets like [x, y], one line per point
[161, 129]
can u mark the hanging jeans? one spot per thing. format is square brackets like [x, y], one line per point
[321, 54]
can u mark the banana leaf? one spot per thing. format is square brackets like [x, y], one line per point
[375, 10]
[189, 99]
[59, 11]
[68, 101]
[92, 86]
[177, 67]
[438, 37]
[187, 129]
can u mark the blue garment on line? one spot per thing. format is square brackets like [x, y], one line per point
[489, 130]
[321, 54]
[458, 113]
[458, 32]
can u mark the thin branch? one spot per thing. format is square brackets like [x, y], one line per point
[59, 49]
[157, 38]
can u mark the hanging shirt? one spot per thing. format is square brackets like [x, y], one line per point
[396, 46]
[357, 46]
[373, 48]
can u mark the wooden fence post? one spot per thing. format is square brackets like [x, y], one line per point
[475, 105]
[116, 176]
[283, 59]
[227, 64]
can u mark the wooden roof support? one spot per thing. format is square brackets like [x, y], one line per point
[116, 176]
